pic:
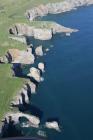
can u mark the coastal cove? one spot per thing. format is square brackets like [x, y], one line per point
[67, 90]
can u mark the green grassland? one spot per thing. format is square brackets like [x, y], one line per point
[11, 12]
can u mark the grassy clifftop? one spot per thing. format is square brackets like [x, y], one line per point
[11, 12]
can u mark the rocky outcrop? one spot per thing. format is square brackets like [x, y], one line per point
[52, 125]
[41, 66]
[40, 33]
[33, 120]
[55, 8]
[24, 95]
[35, 74]
[39, 51]
[18, 56]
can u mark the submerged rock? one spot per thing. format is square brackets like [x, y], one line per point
[39, 51]
[35, 74]
[41, 66]
[41, 133]
[23, 57]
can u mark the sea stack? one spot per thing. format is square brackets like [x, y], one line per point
[41, 66]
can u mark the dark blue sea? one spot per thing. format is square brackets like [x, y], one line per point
[67, 90]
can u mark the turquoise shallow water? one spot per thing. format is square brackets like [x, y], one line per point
[67, 91]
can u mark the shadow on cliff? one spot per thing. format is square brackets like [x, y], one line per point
[9, 129]
[28, 108]
[18, 70]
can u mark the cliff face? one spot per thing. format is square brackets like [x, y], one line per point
[55, 8]
[17, 56]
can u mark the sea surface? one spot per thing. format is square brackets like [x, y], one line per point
[67, 90]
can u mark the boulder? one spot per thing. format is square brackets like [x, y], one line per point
[41, 66]
[47, 49]
[39, 51]
[52, 125]
[35, 74]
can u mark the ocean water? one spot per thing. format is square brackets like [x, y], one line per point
[67, 91]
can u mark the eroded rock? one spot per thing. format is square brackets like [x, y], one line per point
[35, 74]
[41, 66]
[52, 125]
[39, 51]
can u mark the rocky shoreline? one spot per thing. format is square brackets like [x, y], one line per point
[26, 57]
[56, 8]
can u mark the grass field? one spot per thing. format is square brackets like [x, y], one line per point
[12, 11]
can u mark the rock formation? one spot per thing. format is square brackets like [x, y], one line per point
[41, 66]
[53, 125]
[35, 74]
[33, 120]
[18, 56]
[24, 94]
[39, 51]
[44, 33]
